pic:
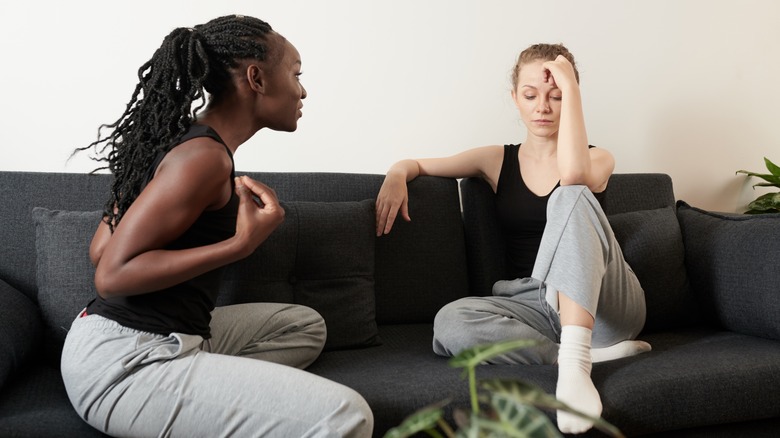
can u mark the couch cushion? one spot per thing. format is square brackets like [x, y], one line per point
[652, 245]
[486, 250]
[64, 273]
[20, 328]
[35, 404]
[322, 256]
[732, 263]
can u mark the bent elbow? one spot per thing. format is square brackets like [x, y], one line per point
[573, 179]
[105, 285]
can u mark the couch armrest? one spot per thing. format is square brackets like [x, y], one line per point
[732, 263]
[20, 330]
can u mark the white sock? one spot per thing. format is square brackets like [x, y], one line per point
[619, 350]
[575, 386]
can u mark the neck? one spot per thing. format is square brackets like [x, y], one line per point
[541, 147]
[231, 121]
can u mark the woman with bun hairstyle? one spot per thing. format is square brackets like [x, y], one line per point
[567, 285]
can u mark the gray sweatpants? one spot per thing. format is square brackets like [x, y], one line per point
[579, 257]
[243, 382]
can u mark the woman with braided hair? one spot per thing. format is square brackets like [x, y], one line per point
[151, 355]
[567, 285]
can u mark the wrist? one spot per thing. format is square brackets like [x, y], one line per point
[398, 171]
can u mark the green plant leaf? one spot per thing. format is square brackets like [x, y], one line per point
[526, 419]
[476, 355]
[772, 167]
[767, 203]
[771, 180]
[421, 420]
[532, 395]
[523, 422]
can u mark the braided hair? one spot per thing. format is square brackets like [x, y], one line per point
[189, 62]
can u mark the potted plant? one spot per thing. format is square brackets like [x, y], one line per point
[770, 202]
[504, 408]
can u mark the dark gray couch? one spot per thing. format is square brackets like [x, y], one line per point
[711, 283]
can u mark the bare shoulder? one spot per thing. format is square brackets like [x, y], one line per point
[197, 152]
[602, 166]
[490, 159]
[200, 167]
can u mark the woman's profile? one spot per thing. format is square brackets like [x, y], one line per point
[151, 355]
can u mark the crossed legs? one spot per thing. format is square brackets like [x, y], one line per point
[587, 296]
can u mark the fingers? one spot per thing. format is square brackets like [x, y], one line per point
[241, 190]
[385, 217]
[387, 213]
[559, 70]
[266, 194]
[405, 211]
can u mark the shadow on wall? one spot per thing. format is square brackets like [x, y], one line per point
[701, 147]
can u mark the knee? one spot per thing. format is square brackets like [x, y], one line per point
[360, 418]
[450, 317]
[569, 193]
[311, 321]
[450, 328]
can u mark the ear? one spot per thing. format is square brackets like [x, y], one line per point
[255, 77]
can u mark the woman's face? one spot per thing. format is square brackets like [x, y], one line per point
[538, 101]
[283, 99]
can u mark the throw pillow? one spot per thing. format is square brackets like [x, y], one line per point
[64, 273]
[733, 266]
[322, 256]
[652, 245]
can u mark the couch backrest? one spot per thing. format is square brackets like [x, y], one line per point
[485, 247]
[419, 267]
[19, 193]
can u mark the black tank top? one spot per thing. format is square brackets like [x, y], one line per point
[186, 307]
[522, 215]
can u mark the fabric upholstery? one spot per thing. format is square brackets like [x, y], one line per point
[421, 265]
[20, 330]
[484, 244]
[35, 404]
[328, 249]
[702, 381]
[692, 377]
[65, 275]
[20, 192]
[652, 245]
[732, 263]
[322, 256]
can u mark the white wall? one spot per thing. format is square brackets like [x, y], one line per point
[685, 87]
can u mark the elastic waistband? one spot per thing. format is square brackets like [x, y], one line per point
[98, 322]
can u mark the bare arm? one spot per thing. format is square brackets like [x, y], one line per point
[99, 242]
[484, 162]
[190, 181]
[576, 163]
